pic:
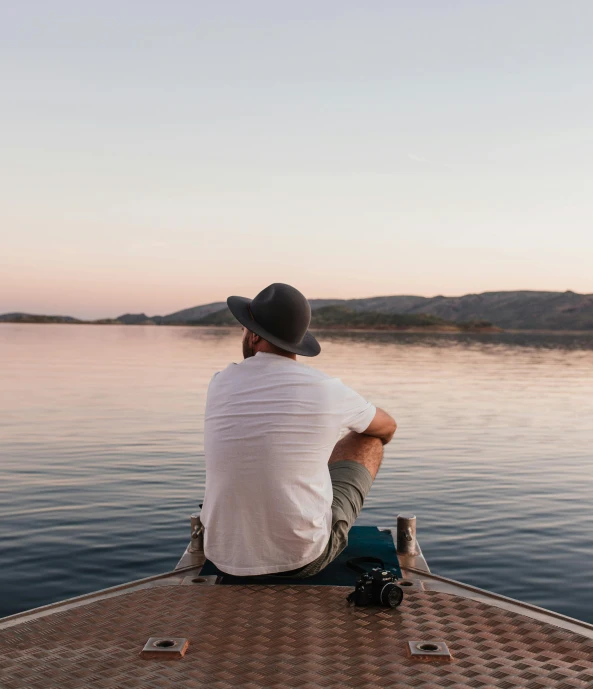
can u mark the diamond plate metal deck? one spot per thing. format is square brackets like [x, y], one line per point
[282, 636]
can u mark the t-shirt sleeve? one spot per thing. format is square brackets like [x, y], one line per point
[357, 413]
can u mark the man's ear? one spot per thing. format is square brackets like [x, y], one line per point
[255, 338]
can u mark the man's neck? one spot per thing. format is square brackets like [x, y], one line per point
[277, 351]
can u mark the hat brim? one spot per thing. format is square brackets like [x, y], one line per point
[239, 307]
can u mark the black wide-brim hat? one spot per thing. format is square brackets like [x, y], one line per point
[281, 315]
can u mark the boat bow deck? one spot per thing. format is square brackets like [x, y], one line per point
[286, 636]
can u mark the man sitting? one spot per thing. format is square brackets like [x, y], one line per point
[282, 491]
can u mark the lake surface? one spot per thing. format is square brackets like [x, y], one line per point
[101, 453]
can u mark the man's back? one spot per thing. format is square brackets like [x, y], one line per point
[271, 424]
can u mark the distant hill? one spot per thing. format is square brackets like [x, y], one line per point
[191, 315]
[338, 316]
[521, 310]
[32, 318]
[221, 317]
[137, 319]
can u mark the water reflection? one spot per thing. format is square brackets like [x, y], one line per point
[208, 333]
[570, 341]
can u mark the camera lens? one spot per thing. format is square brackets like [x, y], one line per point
[391, 595]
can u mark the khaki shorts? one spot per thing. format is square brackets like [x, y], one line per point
[351, 483]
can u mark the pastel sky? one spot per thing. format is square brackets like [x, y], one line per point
[158, 155]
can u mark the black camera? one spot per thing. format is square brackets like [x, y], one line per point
[377, 587]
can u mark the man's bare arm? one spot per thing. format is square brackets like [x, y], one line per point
[382, 426]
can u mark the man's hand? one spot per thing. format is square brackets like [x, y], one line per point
[382, 426]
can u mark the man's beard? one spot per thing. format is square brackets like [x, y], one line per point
[247, 347]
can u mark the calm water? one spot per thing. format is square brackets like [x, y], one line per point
[101, 454]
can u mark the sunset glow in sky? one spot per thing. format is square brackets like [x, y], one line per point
[156, 156]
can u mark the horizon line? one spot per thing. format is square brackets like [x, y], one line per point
[378, 296]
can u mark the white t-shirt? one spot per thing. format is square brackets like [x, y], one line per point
[271, 424]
